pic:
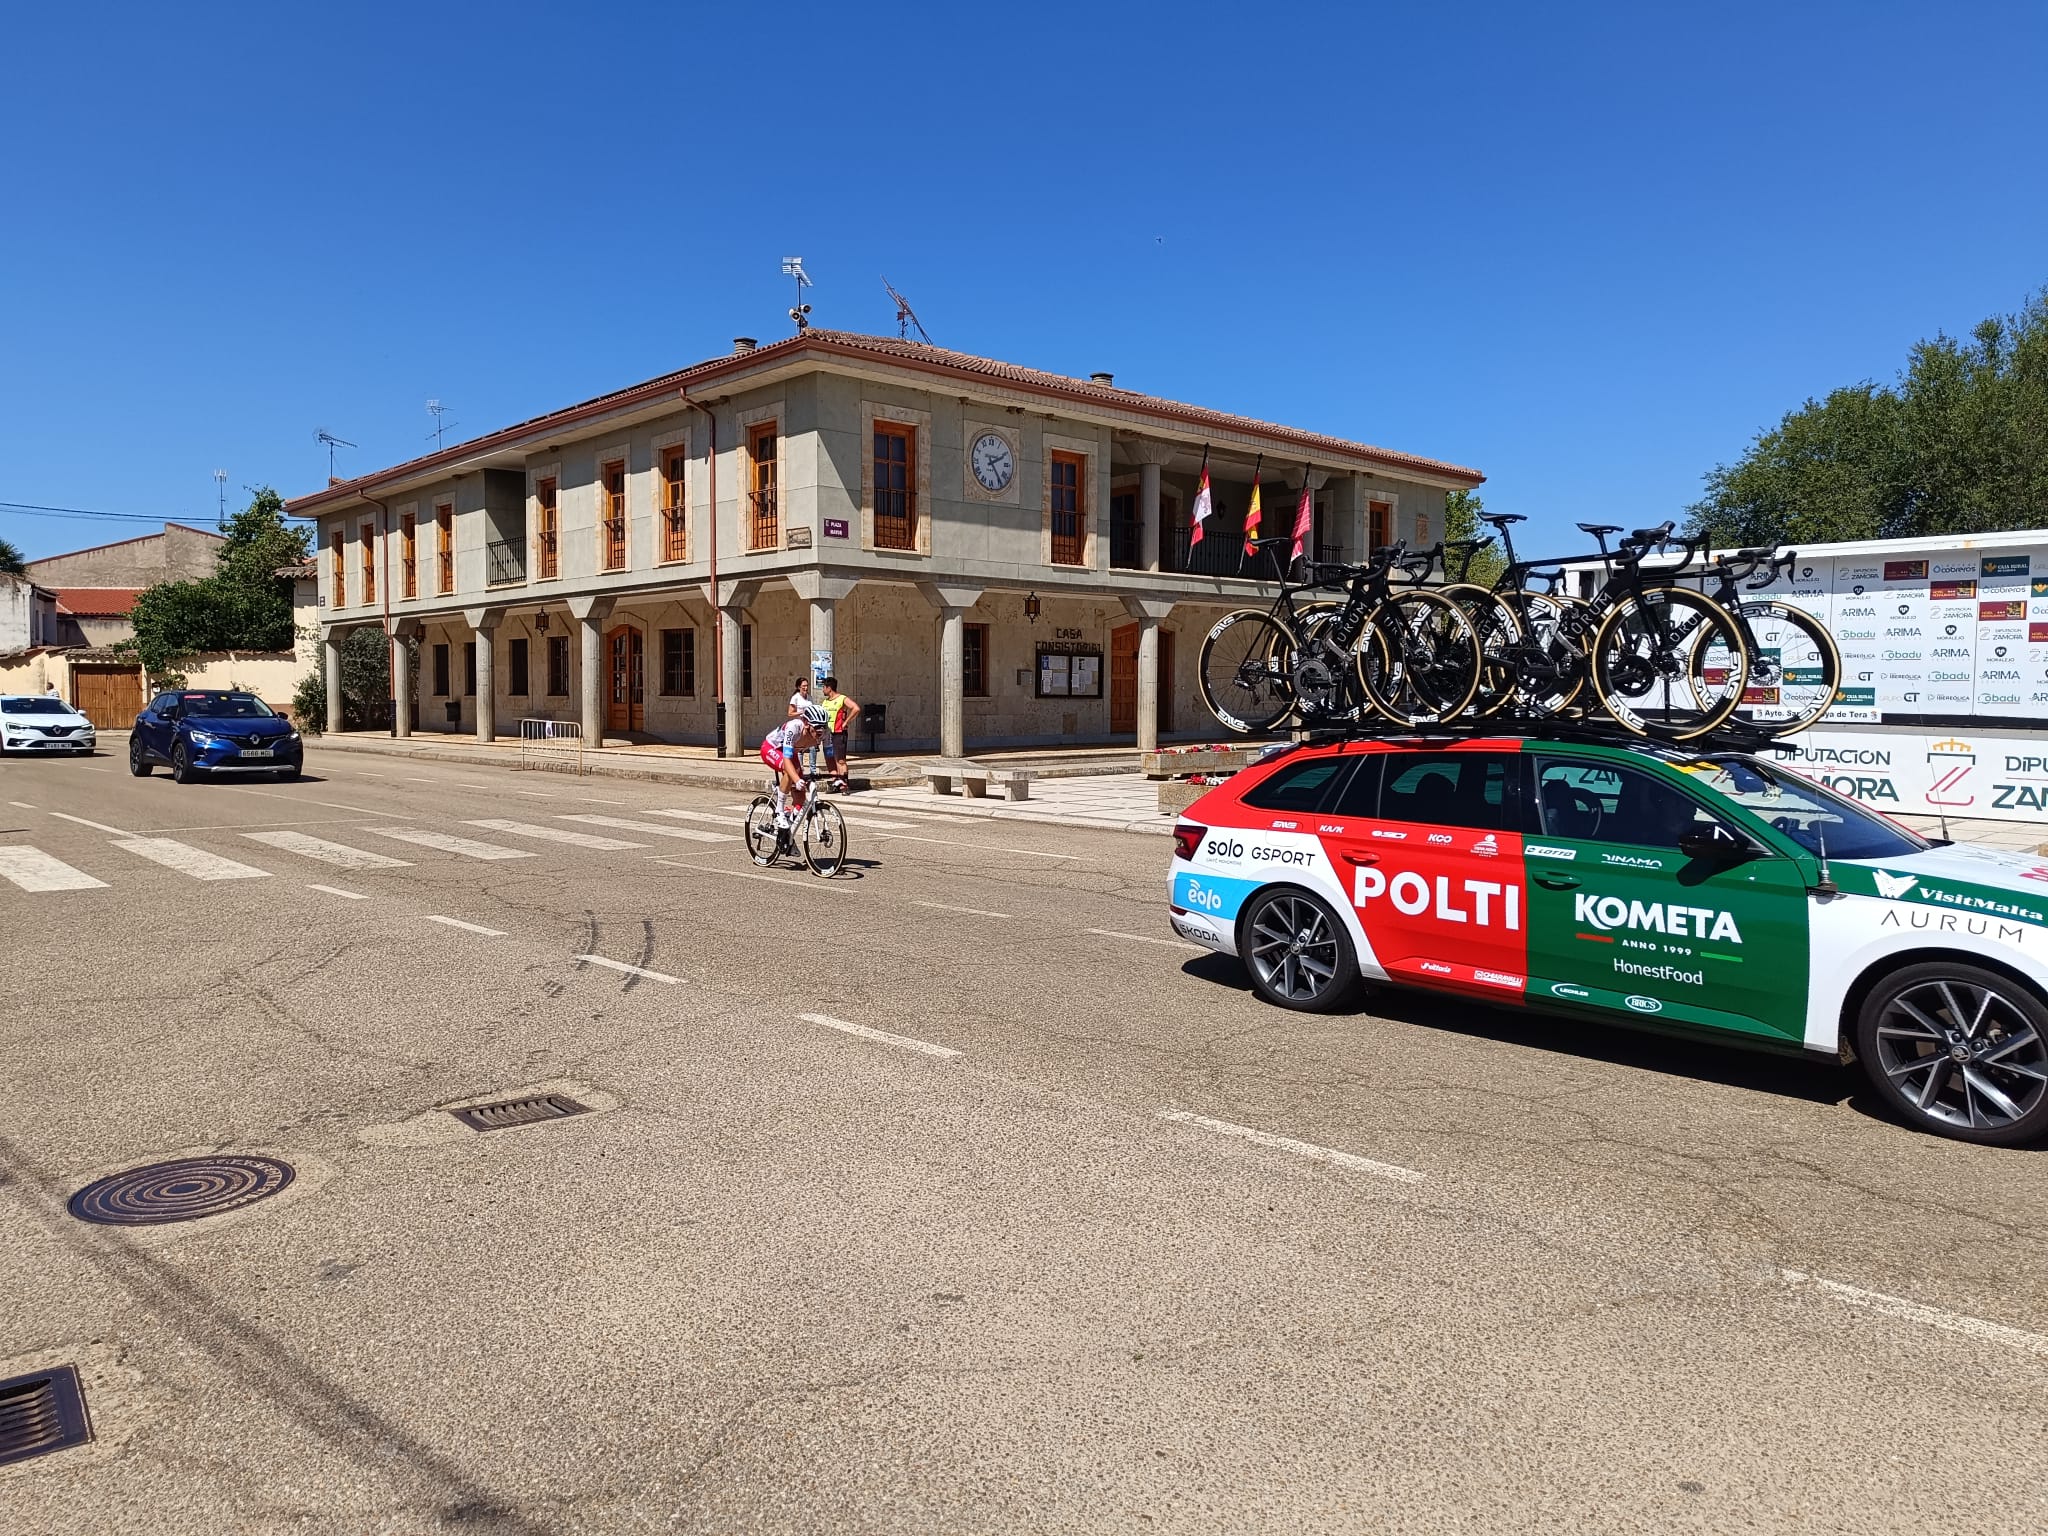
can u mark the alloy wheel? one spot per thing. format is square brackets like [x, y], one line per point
[1293, 947]
[1963, 1053]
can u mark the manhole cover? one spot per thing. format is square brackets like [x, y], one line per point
[507, 1113]
[41, 1412]
[182, 1191]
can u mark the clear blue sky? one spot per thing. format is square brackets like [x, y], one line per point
[1589, 249]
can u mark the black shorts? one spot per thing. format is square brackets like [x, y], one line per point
[837, 750]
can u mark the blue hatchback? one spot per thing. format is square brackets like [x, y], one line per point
[213, 731]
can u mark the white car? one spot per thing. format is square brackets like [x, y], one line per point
[32, 722]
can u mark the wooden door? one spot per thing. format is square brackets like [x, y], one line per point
[625, 708]
[1123, 681]
[110, 697]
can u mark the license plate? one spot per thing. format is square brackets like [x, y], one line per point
[258, 752]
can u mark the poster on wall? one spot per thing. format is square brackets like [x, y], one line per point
[1069, 671]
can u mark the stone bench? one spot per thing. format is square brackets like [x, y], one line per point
[975, 779]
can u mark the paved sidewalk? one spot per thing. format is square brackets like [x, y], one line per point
[1114, 802]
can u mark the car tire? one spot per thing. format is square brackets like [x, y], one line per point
[138, 764]
[1297, 951]
[1958, 1050]
[182, 771]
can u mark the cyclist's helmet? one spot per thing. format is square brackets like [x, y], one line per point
[812, 716]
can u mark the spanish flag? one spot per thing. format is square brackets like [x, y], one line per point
[1251, 517]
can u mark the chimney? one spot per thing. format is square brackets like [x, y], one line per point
[1102, 378]
[742, 345]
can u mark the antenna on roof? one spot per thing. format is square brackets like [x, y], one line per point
[322, 435]
[220, 485]
[906, 317]
[437, 410]
[793, 266]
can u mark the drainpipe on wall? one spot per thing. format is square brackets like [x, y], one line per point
[717, 613]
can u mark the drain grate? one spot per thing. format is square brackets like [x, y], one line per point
[507, 1113]
[42, 1412]
[182, 1191]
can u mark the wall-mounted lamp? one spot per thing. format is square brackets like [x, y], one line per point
[1033, 608]
[540, 621]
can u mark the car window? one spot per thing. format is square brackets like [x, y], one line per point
[1450, 789]
[35, 707]
[1816, 818]
[1361, 795]
[226, 706]
[163, 703]
[1611, 803]
[1300, 786]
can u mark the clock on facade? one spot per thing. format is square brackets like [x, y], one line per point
[992, 461]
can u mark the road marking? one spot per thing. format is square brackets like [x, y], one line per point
[1916, 1312]
[688, 834]
[332, 805]
[881, 1035]
[21, 805]
[631, 970]
[467, 847]
[97, 826]
[335, 890]
[456, 922]
[412, 780]
[1145, 938]
[34, 870]
[860, 819]
[787, 882]
[534, 794]
[944, 906]
[716, 821]
[952, 842]
[1306, 1149]
[326, 852]
[553, 834]
[187, 860]
[464, 783]
[600, 800]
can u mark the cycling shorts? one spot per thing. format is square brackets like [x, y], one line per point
[773, 755]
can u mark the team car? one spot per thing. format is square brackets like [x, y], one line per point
[31, 722]
[1712, 893]
[213, 730]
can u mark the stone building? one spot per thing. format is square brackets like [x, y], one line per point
[995, 555]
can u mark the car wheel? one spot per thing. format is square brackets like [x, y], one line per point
[182, 771]
[1959, 1051]
[137, 763]
[1297, 951]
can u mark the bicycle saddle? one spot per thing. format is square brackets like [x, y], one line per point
[1597, 530]
[1500, 518]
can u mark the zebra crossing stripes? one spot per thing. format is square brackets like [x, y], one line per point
[655, 829]
[467, 848]
[327, 853]
[187, 860]
[555, 834]
[34, 870]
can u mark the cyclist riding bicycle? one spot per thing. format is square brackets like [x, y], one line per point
[782, 750]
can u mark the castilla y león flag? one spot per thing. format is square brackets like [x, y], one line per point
[1251, 517]
[1304, 516]
[1204, 503]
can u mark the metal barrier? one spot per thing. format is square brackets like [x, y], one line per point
[554, 746]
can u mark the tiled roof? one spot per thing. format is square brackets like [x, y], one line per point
[97, 602]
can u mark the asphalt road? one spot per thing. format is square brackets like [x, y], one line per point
[1082, 1238]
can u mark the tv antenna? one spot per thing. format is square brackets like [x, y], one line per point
[437, 410]
[793, 266]
[906, 317]
[322, 435]
[220, 485]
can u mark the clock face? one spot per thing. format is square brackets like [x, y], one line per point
[992, 461]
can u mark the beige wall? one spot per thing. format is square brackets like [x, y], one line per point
[176, 554]
[273, 676]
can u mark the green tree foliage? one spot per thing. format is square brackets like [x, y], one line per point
[1958, 446]
[244, 606]
[11, 561]
[1461, 521]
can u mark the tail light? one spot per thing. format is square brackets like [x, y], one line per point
[1187, 837]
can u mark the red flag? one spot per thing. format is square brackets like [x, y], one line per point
[1304, 515]
[1204, 503]
[1251, 517]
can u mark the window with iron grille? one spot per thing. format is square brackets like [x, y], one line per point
[335, 539]
[974, 654]
[679, 663]
[675, 524]
[440, 671]
[611, 521]
[1379, 523]
[444, 546]
[547, 530]
[518, 663]
[368, 536]
[895, 482]
[558, 666]
[746, 661]
[1124, 531]
[1068, 543]
[469, 669]
[409, 554]
[764, 526]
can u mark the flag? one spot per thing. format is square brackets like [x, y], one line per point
[1204, 505]
[1251, 515]
[1304, 514]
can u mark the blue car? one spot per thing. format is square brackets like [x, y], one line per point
[213, 731]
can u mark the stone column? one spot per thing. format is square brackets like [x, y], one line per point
[1150, 457]
[1148, 612]
[330, 646]
[401, 680]
[952, 603]
[734, 744]
[484, 621]
[590, 614]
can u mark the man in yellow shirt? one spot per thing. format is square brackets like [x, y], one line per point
[840, 712]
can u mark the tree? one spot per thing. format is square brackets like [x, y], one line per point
[1958, 446]
[1461, 521]
[365, 683]
[11, 561]
[244, 606]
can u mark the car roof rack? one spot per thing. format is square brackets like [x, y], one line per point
[1737, 738]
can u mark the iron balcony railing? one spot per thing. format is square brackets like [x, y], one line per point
[764, 528]
[505, 562]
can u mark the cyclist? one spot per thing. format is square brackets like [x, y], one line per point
[781, 750]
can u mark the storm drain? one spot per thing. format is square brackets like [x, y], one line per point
[506, 1113]
[42, 1412]
[184, 1190]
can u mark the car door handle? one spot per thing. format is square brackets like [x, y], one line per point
[1361, 858]
[1557, 882]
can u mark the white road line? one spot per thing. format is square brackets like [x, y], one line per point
[187, 860]
[881, 1035]
[332, 805]
[788, 883]
[21, 805]
[600, 800]
[34, 870]
[97, 826]
[1916, 1312]
[411, 780]
[1144, 938]
[327, 853]
[716, 821]
[468, 848]
[860, 819]
[688, 834]
[631, 970]
[534, 794]
[335, 890]
[1306, 1149]
[552, 834]
[465, 784]
[456, 922]
[946, 906]
[951, 842]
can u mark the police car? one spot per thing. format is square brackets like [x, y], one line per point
[1713, 894]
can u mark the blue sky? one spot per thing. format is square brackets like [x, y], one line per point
[1589, 249]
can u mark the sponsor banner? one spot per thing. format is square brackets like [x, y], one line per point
[1215, 896]
[2002, 775]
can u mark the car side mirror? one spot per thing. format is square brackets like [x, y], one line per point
[1716, 845]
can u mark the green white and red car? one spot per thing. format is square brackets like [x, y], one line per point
[1708, 893]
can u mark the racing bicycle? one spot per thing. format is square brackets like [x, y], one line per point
[1795, 667]
[817, 832]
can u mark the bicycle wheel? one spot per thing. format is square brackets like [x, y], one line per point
[1247, 670]
[824, 839]
[1499, 629]
[763, 836]
[1325, 692]
[1669, 663]
[1794, 669]
[1428, 669]
[1551, 666]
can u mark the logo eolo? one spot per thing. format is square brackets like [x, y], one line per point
[1668, 917]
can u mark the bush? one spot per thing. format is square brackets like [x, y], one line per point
[365, 684]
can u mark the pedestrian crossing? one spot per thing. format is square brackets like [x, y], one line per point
[37, 871]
